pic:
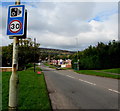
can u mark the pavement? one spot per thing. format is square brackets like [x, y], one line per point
[69, 90]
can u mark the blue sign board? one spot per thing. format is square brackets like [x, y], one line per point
[15, 24]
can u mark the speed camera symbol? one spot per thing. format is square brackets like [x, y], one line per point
[16, 12]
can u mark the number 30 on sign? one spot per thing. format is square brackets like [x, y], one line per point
[15, 26]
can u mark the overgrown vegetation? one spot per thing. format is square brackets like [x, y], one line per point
[33, 93]
[102, 56]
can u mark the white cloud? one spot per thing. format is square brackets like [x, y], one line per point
[101, 32]
[4, 38]
[62, 0]
[64, 18]
[57, 25]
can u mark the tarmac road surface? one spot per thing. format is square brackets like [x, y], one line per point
[69, 90]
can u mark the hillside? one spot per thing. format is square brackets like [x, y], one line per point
[55, 51]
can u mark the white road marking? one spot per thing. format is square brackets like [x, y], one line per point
[83, 80]
[91, 83]
[70, 76]
[114, 91]
[87, 82]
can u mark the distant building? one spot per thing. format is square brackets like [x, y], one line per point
[62, 63]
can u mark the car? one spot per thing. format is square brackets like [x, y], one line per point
[58, 68]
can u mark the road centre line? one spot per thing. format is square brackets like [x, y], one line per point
[70, 76]
[114, 91]
[87, 82]
[83, 80]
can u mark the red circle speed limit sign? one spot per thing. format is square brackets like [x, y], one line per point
[15, 26]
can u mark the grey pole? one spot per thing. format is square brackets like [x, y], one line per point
[77, 54]
[34, 52]
[13, 85]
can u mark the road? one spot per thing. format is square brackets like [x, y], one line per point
[69, 90]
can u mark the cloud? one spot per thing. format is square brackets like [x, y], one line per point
[62, 0]
[63, 18]
[101, 32]
[3, 37]
[57, 25]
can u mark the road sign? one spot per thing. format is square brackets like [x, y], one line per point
[16, 20]
[15, 26]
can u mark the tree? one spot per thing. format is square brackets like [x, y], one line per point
[27, 50]
[7, 55]
[100, 57]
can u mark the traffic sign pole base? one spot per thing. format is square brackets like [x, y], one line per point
[13, 108]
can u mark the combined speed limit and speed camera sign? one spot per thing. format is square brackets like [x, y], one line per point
[16, 20]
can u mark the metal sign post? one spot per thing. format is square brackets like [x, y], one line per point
[13, 86]
[15, 27]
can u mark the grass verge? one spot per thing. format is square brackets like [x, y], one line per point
[64, 68]
[102, 74]
[115, 70]
[33, 93]
[50, 66]
[54, 67]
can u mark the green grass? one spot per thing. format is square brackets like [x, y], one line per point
[46, 64]
[66, 68]
[54, 67]
[115, 70]
[50, 66]
[102, 74]
[33, 93]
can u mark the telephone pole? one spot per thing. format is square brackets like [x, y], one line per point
[13, 86]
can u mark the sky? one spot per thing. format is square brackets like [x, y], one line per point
[66, 24]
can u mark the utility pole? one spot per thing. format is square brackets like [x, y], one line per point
[77, 54]
[13, 86]
[34, 52]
